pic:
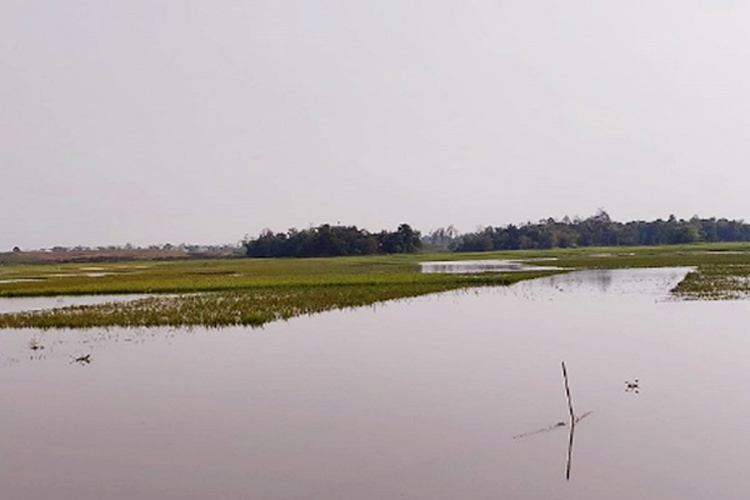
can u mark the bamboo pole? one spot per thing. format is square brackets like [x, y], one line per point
[567, 393]
[569, 463]
[572, 423]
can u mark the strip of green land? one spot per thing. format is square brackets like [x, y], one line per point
[256, 291]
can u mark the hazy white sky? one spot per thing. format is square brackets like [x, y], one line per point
[148, 121]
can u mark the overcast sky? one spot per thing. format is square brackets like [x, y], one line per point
[147, 121]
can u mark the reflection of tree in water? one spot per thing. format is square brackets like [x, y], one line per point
[601, 279]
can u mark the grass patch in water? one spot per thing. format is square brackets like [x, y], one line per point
[716, 282]
[247, 307]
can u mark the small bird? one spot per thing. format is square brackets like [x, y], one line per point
[83, 360]
[632, 386]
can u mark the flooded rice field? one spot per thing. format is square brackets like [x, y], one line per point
[483, 266]
[455, 395]
[39, 303]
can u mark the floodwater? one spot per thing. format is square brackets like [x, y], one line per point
[456, 395]
[38, 303]
[482, 266]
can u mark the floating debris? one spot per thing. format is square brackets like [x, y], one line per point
[83, 360]
[633, 386]
[549, 428]
[35, 345]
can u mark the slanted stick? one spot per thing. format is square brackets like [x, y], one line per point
[567, 393]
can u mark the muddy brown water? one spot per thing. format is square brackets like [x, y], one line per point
[456, 395]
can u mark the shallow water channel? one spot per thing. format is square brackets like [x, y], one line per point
[483, 266]
[39, 303]
[455, 395]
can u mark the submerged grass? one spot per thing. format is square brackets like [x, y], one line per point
[716, 282]
[255, 291]
[248, 307]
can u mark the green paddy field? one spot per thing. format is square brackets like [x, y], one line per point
[225, 292]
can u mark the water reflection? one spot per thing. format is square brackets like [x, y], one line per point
[415, 399]
[20, 304]
[37, 348]
[557, 426]
[570, 425]
[481, 266]
[569, 462]
[592, 279]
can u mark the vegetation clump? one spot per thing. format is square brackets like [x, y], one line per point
[716, 282]
[249, 307]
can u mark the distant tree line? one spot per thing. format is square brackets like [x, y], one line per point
[599, 230]
[226, 249]
[441, 239]
[328, 241]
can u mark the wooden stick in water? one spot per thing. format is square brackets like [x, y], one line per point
[567, 393]
[569, 462]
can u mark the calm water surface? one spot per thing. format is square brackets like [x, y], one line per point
[419, 399]
[37, 303]
[483, 266]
